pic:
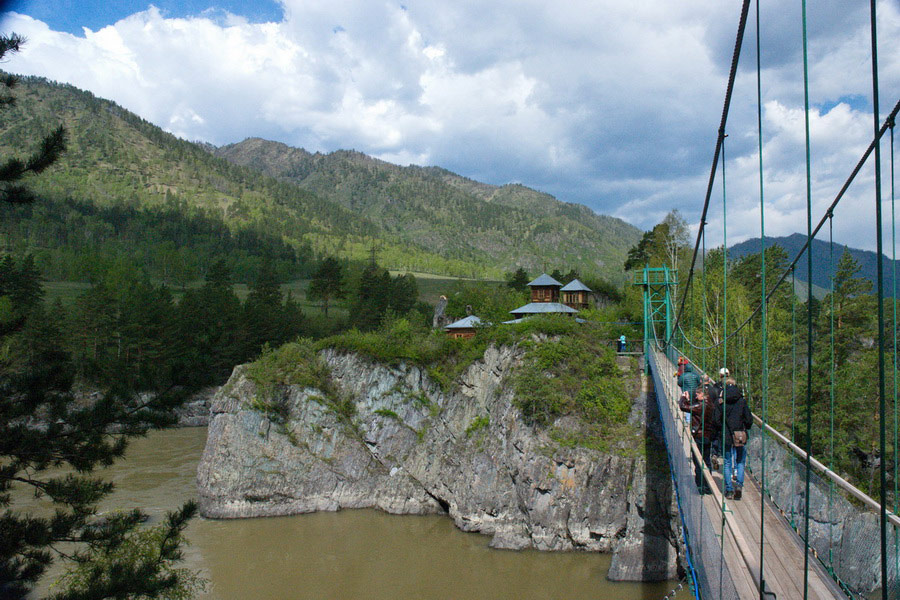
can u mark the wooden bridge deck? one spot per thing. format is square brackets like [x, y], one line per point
[783, 557]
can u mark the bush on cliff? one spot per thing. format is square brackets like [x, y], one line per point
[565, 371]
[571, 375]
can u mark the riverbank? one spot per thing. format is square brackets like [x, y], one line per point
[348, 555]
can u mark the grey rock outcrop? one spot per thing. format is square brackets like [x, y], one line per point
[413, 448]
[195, 412]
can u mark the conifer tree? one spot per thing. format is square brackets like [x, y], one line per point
[327, 283]
[43, 427]
[518, 280]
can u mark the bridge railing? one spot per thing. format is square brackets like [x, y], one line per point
[704, 528]
[844, 523]
[844, 520]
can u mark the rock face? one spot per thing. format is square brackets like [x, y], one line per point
[195, 412]
[412, 448]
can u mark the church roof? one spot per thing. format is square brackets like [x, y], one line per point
[545, 280]
[575, 286]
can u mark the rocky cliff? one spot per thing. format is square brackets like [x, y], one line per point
[407, 446]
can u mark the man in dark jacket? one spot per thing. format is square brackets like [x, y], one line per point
[704, 429]
[734, 415]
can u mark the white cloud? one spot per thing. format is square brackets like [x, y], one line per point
[612, 104]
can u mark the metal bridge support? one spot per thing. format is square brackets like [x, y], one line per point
[658, 284]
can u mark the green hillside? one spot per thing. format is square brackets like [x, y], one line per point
[344, 203]
[510, 225]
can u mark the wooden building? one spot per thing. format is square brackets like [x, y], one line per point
[575, 295]
[545, 289]
[464, 328]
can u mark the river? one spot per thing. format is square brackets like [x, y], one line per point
[349, 555]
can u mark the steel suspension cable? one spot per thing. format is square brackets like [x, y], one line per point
[764, 359]
[720, 139]
[831, 394]
[809, 337]
[894, 304]
[840, 195]
[723, 135]
[793, 379]
[705, 307]
[873, 20]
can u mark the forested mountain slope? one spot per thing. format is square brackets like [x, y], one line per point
[429, 206]
[423, 219]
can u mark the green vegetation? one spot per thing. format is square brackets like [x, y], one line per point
[50, 441]
[296, 363]
[570, 375]
[478, 424]
[142, 546]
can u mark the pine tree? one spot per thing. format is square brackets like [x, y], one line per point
[327, 283]
[43, 427]
[518, 280]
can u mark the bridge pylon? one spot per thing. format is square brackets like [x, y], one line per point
[658, 284]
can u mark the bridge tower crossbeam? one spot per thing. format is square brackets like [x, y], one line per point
[658, 284]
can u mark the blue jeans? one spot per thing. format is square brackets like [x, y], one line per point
[738, 454]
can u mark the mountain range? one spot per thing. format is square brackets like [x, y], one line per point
[822, 252]
[344, 203]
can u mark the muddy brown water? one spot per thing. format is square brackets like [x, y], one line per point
[351, 554]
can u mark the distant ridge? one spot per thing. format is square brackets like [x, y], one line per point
[433, 207]
[822, 270]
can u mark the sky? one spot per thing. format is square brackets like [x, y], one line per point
[610, 104]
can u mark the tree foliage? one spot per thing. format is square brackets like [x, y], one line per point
[50, 442]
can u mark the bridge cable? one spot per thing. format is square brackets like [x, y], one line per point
[764, 335]
[894, 304]
[830, 210]
[725, 456]
[809, 328]
[793, 381]
[831, 394]
[720, 139]
[880, 277]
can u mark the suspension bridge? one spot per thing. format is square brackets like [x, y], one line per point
[800, 530]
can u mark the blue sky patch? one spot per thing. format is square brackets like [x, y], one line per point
[856, 102]
[71, 16]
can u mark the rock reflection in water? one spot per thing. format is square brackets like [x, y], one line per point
[361, 554]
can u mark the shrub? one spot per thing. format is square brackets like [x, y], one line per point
[477, 424]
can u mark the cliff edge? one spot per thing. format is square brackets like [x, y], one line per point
[390, 437]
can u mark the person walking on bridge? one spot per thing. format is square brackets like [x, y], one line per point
[704, 429]
[688, 381]
[734, 414]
